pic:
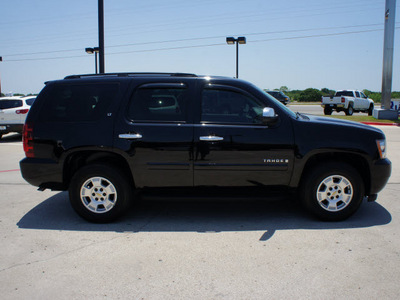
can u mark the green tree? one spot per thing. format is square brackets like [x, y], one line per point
[284, 89]
[327, 92]
[310, 95]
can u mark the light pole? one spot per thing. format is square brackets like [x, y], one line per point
[94, 50]
[239, 40]
[1, 59]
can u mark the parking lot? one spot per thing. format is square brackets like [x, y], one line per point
[195, 250]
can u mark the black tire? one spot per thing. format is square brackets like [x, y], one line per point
[100, 193]
[349, 111]
[327, 111]
[332, 191]
[370, 110]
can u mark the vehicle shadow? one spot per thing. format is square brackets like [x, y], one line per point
[55, 213]
[11, 138]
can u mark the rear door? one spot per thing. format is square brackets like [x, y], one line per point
[233, 147]
[155, 133]
[358, 101]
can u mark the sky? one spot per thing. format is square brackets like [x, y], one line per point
[299, 44]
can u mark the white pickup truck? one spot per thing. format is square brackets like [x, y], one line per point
[349, 102]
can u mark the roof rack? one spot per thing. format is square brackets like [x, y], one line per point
[131, 75]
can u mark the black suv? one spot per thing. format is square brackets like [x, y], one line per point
[105, 137]
[279, 96]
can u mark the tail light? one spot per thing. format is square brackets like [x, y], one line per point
[343, 100]
[22, 111]
[27, 139]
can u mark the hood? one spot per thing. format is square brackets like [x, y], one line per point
[340, 122]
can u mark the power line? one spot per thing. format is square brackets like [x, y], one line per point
[194, 39]
[237, 17]
[205, 45]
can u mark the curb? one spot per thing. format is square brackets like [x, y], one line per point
[380, 124]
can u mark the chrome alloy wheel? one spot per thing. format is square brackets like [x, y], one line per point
[334, 193]
[98, 195]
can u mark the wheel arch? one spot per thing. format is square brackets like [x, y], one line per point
[359, 163]
[78, 159]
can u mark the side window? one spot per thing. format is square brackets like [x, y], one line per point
[158, 104]
[30, 101]
[7, 104]
[363, 96]
[357, 94]
[228, 106]
[77, 103]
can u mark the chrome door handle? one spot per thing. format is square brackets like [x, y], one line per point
[211, 138]
[130, 136]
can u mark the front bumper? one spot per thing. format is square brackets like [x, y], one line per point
[380, 174]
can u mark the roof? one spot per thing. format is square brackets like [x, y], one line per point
[131, 74]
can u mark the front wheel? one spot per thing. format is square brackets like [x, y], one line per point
[99, 193]
[332, 191]
[370, 110]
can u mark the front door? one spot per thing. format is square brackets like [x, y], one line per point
[232, 145]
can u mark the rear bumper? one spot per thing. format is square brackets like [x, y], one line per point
[6, 128]
[380, 173]
[333, 105]
[42, 173]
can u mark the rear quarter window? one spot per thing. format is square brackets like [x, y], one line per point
[30, 101]
[77, 102]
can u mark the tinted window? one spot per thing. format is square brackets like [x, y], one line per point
[274, 94]
[158, 104]
[345, 93]
[10, 103]
[30, 101]
[72, 103]
[227, 106]
[357, 94]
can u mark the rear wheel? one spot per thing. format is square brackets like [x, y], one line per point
[100, 193]
[327, 110]
[349, 111]
[332, 191]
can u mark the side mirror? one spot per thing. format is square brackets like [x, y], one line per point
[268, 116]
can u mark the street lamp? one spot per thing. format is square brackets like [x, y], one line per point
[94, 50]
[1, 59]
[239, 40]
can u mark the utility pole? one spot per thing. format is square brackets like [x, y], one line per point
[101, 36]
[387, 73]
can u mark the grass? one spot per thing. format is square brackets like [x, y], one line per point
[304, 103]
[356, 118]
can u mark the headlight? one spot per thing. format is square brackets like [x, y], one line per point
[381, 148]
